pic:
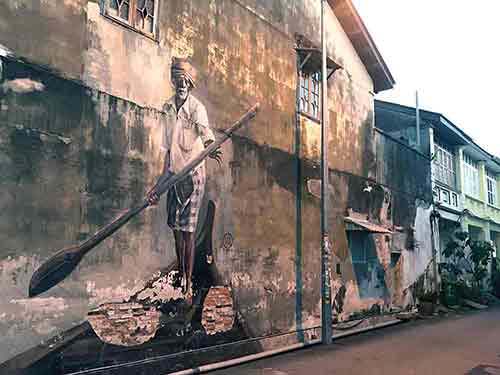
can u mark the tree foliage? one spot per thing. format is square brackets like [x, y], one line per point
[467, 260]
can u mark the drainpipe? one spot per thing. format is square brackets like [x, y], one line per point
[434, 218]
[326, 304]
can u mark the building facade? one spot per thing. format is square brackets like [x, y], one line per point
[83, 86]
[465, 178]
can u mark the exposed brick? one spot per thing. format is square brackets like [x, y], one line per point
[124, 323]
[218, 311]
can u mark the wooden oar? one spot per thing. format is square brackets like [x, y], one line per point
[61, 264]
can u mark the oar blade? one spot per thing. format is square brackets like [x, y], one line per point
[54, 270]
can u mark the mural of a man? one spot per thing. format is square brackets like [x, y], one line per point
[185, 136]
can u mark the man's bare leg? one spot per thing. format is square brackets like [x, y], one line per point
[189, 260]
[179, 250]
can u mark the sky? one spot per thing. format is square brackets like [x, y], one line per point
[448, 50]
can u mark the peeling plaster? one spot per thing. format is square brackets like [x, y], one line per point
[115, 293]
[241, 280]
[74, 5]
[48, 305]
[218, 60]
[4, 51]
[417, 261]
[162, 289]
[44, 136]
[135, 316]
[25, 322]
[182, 43]
[354, 303]
[22, 86]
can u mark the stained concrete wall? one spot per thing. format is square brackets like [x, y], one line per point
[75, 153]
[400, 122]
[71, 159]
[397, 199]
[51, 33]
[244, 50]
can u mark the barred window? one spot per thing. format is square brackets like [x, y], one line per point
[139, 14]
[491, 185]
[446, 196]
[309, 68]
[310, 94]
[444, 164]
[471, 177]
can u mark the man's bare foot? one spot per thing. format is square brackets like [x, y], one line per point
[177, 280]
[183, 284]
[188, 296]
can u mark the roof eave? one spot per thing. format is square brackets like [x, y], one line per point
[437, 120]
[362, 41]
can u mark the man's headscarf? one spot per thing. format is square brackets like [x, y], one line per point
[182, 67]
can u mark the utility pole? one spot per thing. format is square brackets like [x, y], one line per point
[417, 110]
[326, 304]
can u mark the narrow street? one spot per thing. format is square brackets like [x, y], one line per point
[466, 344]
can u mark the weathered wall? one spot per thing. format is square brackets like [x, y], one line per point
[73, 157]
[418, 262]
[71, 160]
[51, 33]
[228, 41]
[408, 174]
[397, 200]
[400, 122]
[124, 63]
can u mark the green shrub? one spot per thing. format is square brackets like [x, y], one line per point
[465, 269]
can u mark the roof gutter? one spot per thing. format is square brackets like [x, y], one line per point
[345, 11]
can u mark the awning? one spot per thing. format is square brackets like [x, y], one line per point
[364, 225]
[310, 61]
[448, 215]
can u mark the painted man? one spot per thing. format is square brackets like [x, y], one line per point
[185, 136]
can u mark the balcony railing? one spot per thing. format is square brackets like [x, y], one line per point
[447, 197]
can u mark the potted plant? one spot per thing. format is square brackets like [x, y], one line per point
[427, 303]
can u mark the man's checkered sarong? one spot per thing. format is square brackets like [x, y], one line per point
[184, 201]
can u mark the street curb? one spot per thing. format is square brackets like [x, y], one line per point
[270, 353]
[368, 329]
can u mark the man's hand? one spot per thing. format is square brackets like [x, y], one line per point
[216, 154]
[153, 198]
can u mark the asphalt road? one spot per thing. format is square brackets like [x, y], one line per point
[466, 344]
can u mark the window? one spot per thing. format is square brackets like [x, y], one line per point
[310, 94]
[359, 242]
[309, 80]
[491, 185]
[368, 271]
[140, 14]
[445, 196]
[444, 165]
[471, 177]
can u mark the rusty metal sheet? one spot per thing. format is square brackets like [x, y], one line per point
[360, 224]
